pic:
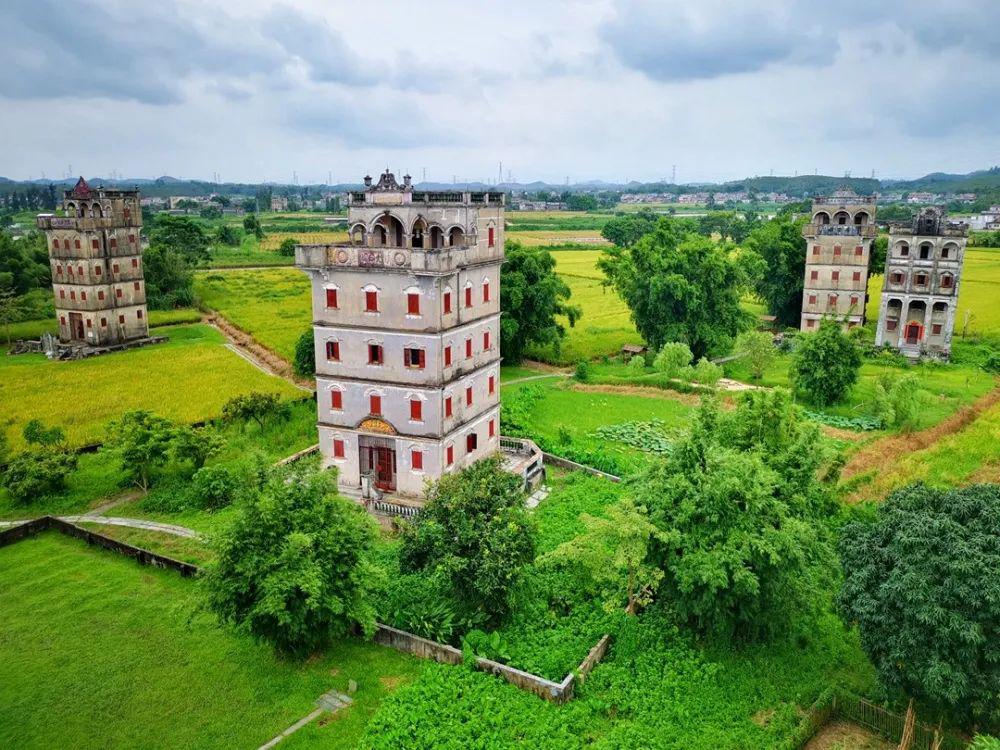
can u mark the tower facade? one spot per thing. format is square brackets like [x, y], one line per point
[407, 336]
[96, 257]
[839, 240]
[923, 269]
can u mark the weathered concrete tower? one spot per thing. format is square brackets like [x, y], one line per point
[407, 335]
[838, 246]
[96, 258]
[923, 268]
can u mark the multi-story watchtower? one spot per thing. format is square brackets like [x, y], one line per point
[923, 268]
[407, 329]
[96, 259]
[838, 246]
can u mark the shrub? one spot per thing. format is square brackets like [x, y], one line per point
[897, 400]
[37, 473]
[475, 532]
[826, 364]
[294, 566]
[142, 443]
[36, 433]
[304, 362]
[582, 373]
[671, 358]
[757, 350]
[637, 365]
[218, 485]
[287, 248]
[707, 372]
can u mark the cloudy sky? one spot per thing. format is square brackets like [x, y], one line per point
[607, 89]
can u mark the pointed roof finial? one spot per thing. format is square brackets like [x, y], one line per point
[81, 189]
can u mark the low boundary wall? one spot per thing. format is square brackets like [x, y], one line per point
[565, 463]
[557, 692]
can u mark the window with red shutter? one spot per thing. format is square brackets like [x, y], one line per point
[118, 293]
[65, 244]
[447, 406]
[55, 244]
[331, 298]
[62, 294]
[946, 282]
[836, 249]
[338, 448]
[115, 268]
[835, 276]
[93, 244]
[100, 294]
[416, 410]
[114, 242]
[135, 285]
[72, 294]
[83, 296]
[104, 322]
[413, 358]
[468, 348]
[859, 250]
[58, 270]
[832, 301]
[62, 320]
[470, 443]
[333, 350]
[810, 323]
[857, 275]
[815, 249]
[135, 262]
[492, 236]
[447, 302]
[447, 356]
[97, 270]
[371, 301]
[814, 275]
[79, 270]
[486, 341]
[413, 304]
[468, 396]
[90, 323]
[493, 428]
[138, 314]
[374, 354]
[812, 299]
[468, 296]
[854, 300]
[417, 460]
[493, 384]
[336, 400]
[936, 329]
[486, 291]
[450, 455]
[375, 404]
[121, 318]
[131, 239]
[76, 244]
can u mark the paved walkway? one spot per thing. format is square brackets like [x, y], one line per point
[134, 523]
[332, 702]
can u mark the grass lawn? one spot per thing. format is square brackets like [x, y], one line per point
[187, 378]
[273, 306]
[96, 651]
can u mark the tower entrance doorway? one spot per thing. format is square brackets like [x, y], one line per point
[76, 326]
[378, 460]
[913, 333]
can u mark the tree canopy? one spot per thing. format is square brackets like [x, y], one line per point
[531, 296]
[742, 511]
[294, 567]
[826, 363]
[680, 287]
[782, 250]
[181, 234]
[627, 229]
[920, 583]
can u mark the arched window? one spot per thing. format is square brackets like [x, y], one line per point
[926, 248]
[437, 237]
[456, 236]
[417, 233]
[861, 218]
[821, 217]
[902, 249]
[841, 218]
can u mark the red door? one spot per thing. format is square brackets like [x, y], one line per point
[383, 460]
[76, 326]
[913, 331]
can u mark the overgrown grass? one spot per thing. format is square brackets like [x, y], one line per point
[273, 306]
[33, 329]
[96, 651]
[188, 379]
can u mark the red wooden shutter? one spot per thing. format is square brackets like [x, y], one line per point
[493, 428]
[493, 384]
[375, 404]
[331, 297]
[417, 459]
[470, 443]
[371, 301]
[416, 410]
[486, 341]
[468, 348]
[447, 356]
[135, 262]
[450, 453]
[468, 296]
[857, 275]
[468, 396]
[338, 448]
[336, 400]
[413, 304]
[492, 236]
[486, 291]
[859, 250]
[447, 302]
[447, 406]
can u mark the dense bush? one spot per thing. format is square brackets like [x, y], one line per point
[897, 401]
[254, 406]
[287, 247]
[474, 532]
[826, 364]
[218, 485]
[919, 583]
[706, 373]
[304, 361]
[38, 472]
[294, 566]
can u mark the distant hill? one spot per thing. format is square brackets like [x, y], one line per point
[941, 182]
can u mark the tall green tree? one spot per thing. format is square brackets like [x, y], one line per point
[920, 584]
[142, 443]
[252, 225]
[169, 278]
[531, 296]
[474, 532]
[680, 287]
[826, 364]
[742, 508]
[626, 229]
[295, 566]
[182, 235]
[782, 249]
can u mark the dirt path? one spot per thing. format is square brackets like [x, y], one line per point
[125, 497]
[881, 455]
[536, 377]
[246, 346]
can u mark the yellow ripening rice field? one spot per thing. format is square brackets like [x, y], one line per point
[273, 240]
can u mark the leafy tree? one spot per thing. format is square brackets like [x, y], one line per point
[581, 202]
[782, 249]
[10, 308]
[294, 567]
[304, 362]
[626, 229]
[142, 443]
[897, 400]
[707, 372]
[36, 433]
[637, 364]
[744, 514]
[24, 263]
[210, 212]
[920, 584]
[876, 259]
[219, 485]
[254, 406]
[672, 358]
[757, 350]
[182, 235]
[39, 472]
[228, 235]
[169, 279]
[196, 445]
[531, 296]
[287, 247]
[475, 532]
[680, 287]
[252, 225]
[826, 363]
[613, 554]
